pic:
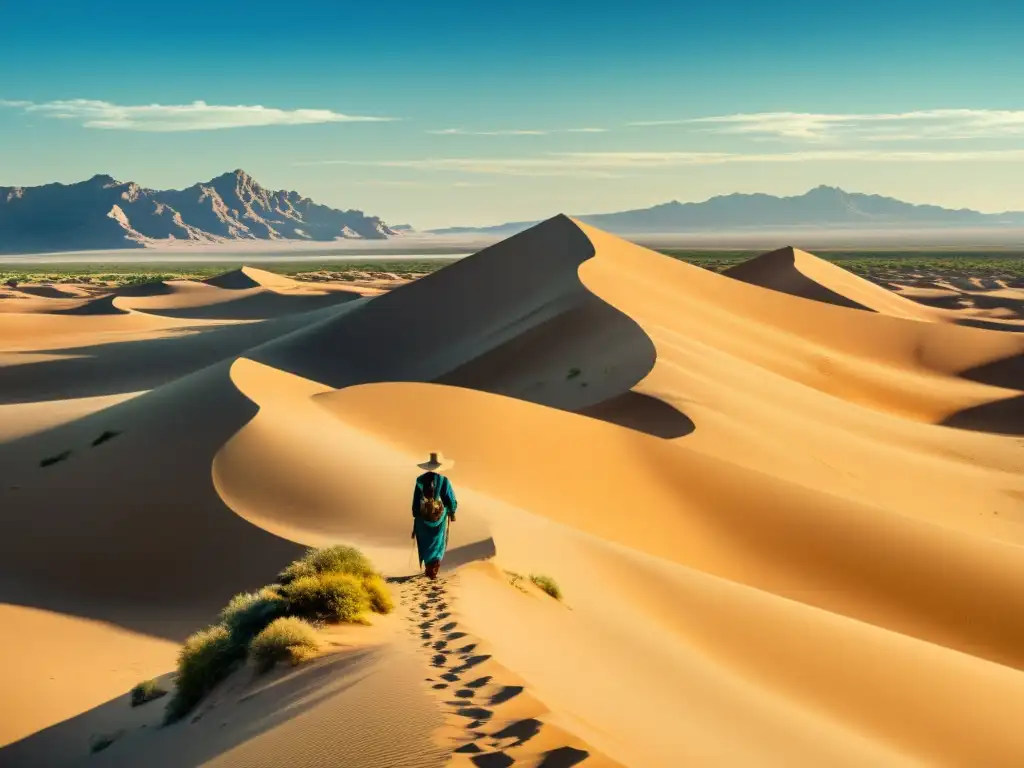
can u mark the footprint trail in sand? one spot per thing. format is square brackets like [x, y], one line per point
[493, 720]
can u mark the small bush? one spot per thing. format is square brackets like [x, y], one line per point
[547, 584]
[339, 559]
[250, 612]
[380, 595]
[145, 691]
[288, 638]
[207, 657]
[328, 597]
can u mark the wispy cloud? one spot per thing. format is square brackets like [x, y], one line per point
[510, 132]
[612, 164]
[954, 124]
[514, 132]
[168, 118]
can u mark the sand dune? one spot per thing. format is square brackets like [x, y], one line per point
[775, 548]
[250, 277]
[798, 273]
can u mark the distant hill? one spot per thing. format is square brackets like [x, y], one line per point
[103, 213]
[820, 207]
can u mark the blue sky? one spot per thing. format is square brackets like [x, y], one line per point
[503, 112]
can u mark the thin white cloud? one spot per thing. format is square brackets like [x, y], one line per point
[612, 164]
[951, 124]
[170, 118]
[463, 132]
[513, 132]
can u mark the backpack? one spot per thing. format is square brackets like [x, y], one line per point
[431, 507]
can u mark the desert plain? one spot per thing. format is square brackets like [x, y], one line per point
[783, 502]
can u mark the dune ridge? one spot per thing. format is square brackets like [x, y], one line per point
[771, 543]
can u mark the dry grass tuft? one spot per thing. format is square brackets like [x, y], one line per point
[288, 638]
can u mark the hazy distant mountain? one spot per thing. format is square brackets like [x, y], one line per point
[821, 207]
[104, 213]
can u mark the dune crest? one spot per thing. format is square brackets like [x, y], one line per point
[250, 277]
[798, 273]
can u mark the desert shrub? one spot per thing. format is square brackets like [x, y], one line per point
[248, 613]
[547, 584]
[339, 559]
[379, 594]
[287, 638]
[145, 691]
[338, 597]
[206, 658]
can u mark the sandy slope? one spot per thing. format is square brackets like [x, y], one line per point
[773, 550]
[798, 273]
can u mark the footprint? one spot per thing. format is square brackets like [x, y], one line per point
[480, 682]
[507, 692]
[563, 757]
[477, 713]
[492, 760]
[471, 662]
[519, 732]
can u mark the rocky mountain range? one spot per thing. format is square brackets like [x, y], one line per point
[822, 206]
[103, 213]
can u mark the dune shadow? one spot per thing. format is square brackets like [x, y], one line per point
[132, 366]
[990, 325]
[777, 271]
[103, 305]
[257, 306]
[156, 288]
[46, 292]
[1007, 372]
[642, 413]
[468, 553]
[111, 531]
[266, 702]
[1001, 417]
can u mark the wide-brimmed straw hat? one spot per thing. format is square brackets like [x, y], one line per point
[437, 462]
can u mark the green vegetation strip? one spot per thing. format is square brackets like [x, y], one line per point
[871, 264]
[136, 274]
[276, 623]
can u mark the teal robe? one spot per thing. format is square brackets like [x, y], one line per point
[432, 538]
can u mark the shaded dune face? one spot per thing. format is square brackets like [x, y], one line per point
[513, 320]
[778, 271]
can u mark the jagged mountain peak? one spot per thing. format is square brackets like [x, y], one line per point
[103, 212]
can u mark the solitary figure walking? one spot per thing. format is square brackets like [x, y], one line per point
[433, 504]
